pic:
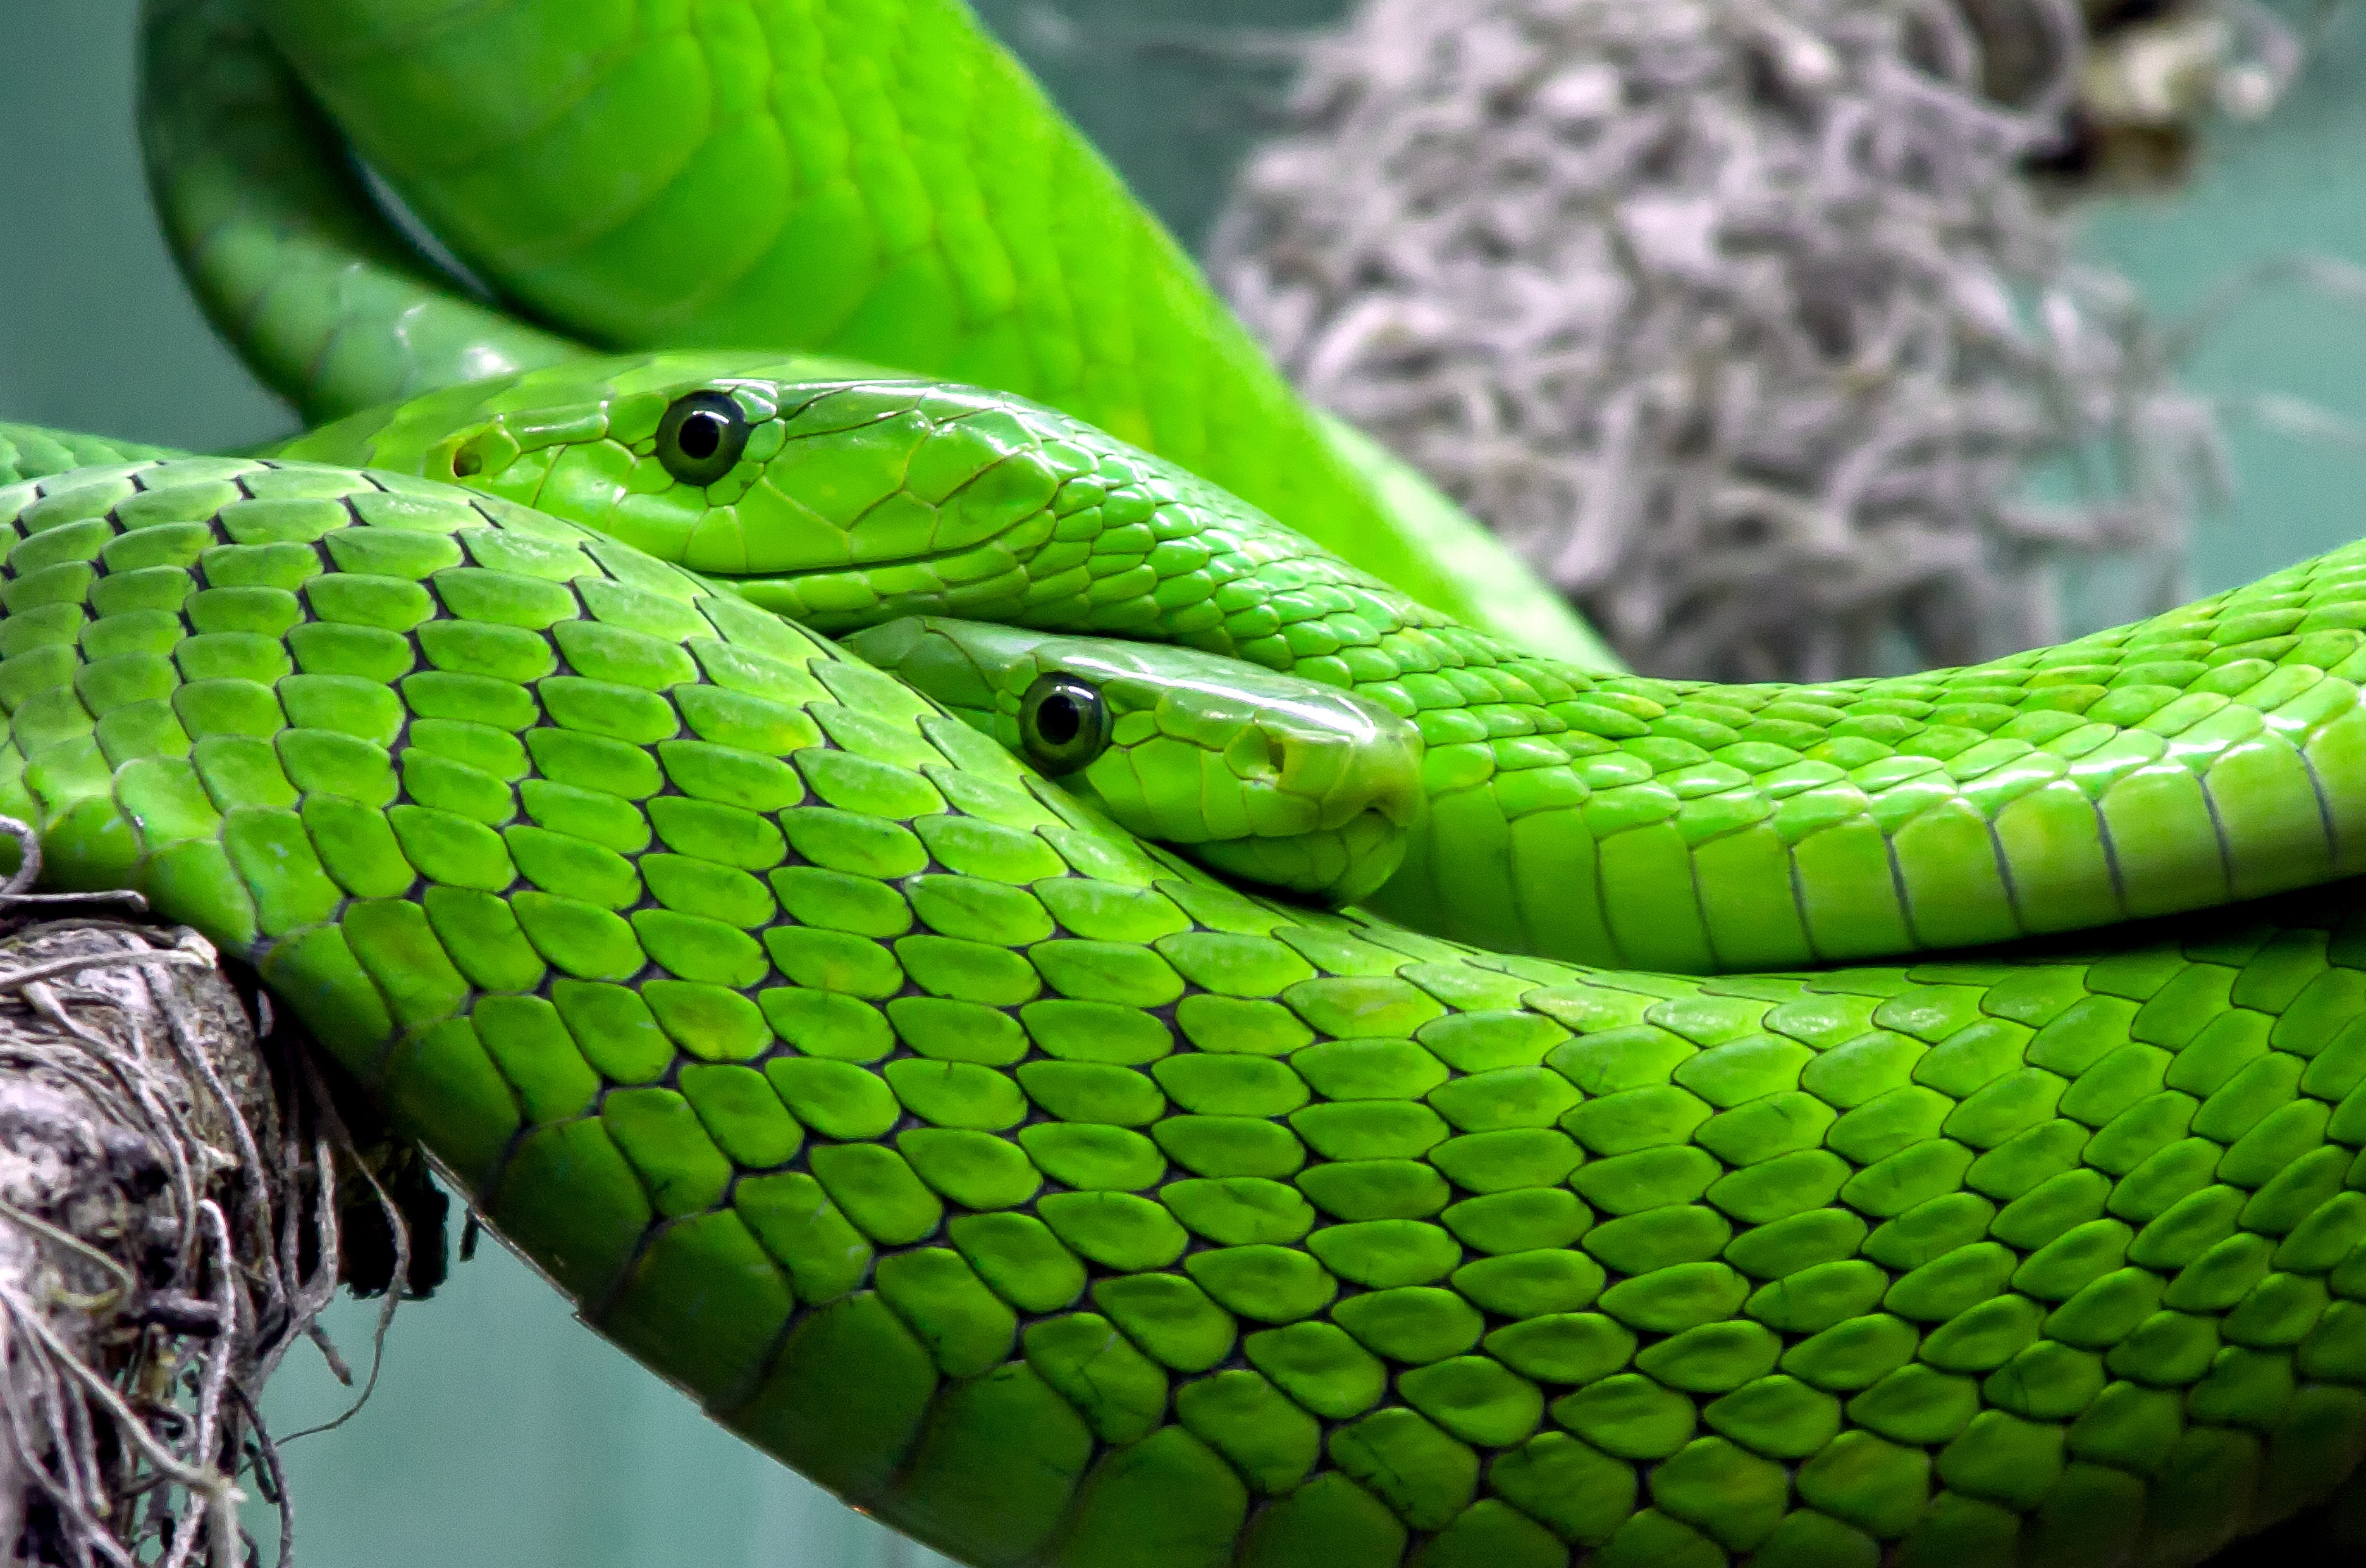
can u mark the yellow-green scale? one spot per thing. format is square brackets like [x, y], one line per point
[1064, 1206]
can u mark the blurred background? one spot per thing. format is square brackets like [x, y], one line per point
[504, 1433]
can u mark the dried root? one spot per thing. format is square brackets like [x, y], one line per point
[1736, 317]
[167, 1230]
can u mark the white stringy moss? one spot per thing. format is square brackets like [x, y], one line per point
[168, 1229]
[1733, 316]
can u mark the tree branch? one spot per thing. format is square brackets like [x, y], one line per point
[167, 1230]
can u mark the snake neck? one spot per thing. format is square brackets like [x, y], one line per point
[2214, 753]
[2178, 763]
[2183, 762]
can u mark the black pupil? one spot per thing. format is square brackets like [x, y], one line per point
[1059, 720]
[701, 434]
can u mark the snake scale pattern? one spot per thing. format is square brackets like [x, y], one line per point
[1064, 1205]
[1017, 1178]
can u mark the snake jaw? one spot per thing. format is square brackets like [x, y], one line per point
[1338, 868]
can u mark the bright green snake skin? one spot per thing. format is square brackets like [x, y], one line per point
[1267, 779]
[1065, 1206]
[1022, 1185]
[2212, 753]
[30, 452]
[851, 179]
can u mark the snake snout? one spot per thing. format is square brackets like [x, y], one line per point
[469, 458]
[1329, 785]
[1365, 760]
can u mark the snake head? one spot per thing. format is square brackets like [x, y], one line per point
[816, 487]
[1267, 778]
[843, 498]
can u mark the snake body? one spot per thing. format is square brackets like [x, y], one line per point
[1064, 1205]
[2214, 752]
[908, 227]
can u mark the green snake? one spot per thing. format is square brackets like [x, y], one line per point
[1063, 1203]
[1630, 822]
[2210, 754]
[625, 183]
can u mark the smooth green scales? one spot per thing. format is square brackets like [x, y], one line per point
[566, 274]
[2197, 759]
[1063, 1205]
[2214, 752]
[875, 180]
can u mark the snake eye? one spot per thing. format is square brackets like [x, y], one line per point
[702, 436]
[1063, 723]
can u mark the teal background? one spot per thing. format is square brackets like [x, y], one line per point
[504, 1434]
[2296, 183]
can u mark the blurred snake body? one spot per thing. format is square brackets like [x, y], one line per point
[1043, 1193]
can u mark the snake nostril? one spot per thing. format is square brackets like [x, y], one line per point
[467, 462]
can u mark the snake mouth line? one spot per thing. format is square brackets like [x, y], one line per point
[810, 573]
[793, 574]
[802, 573]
